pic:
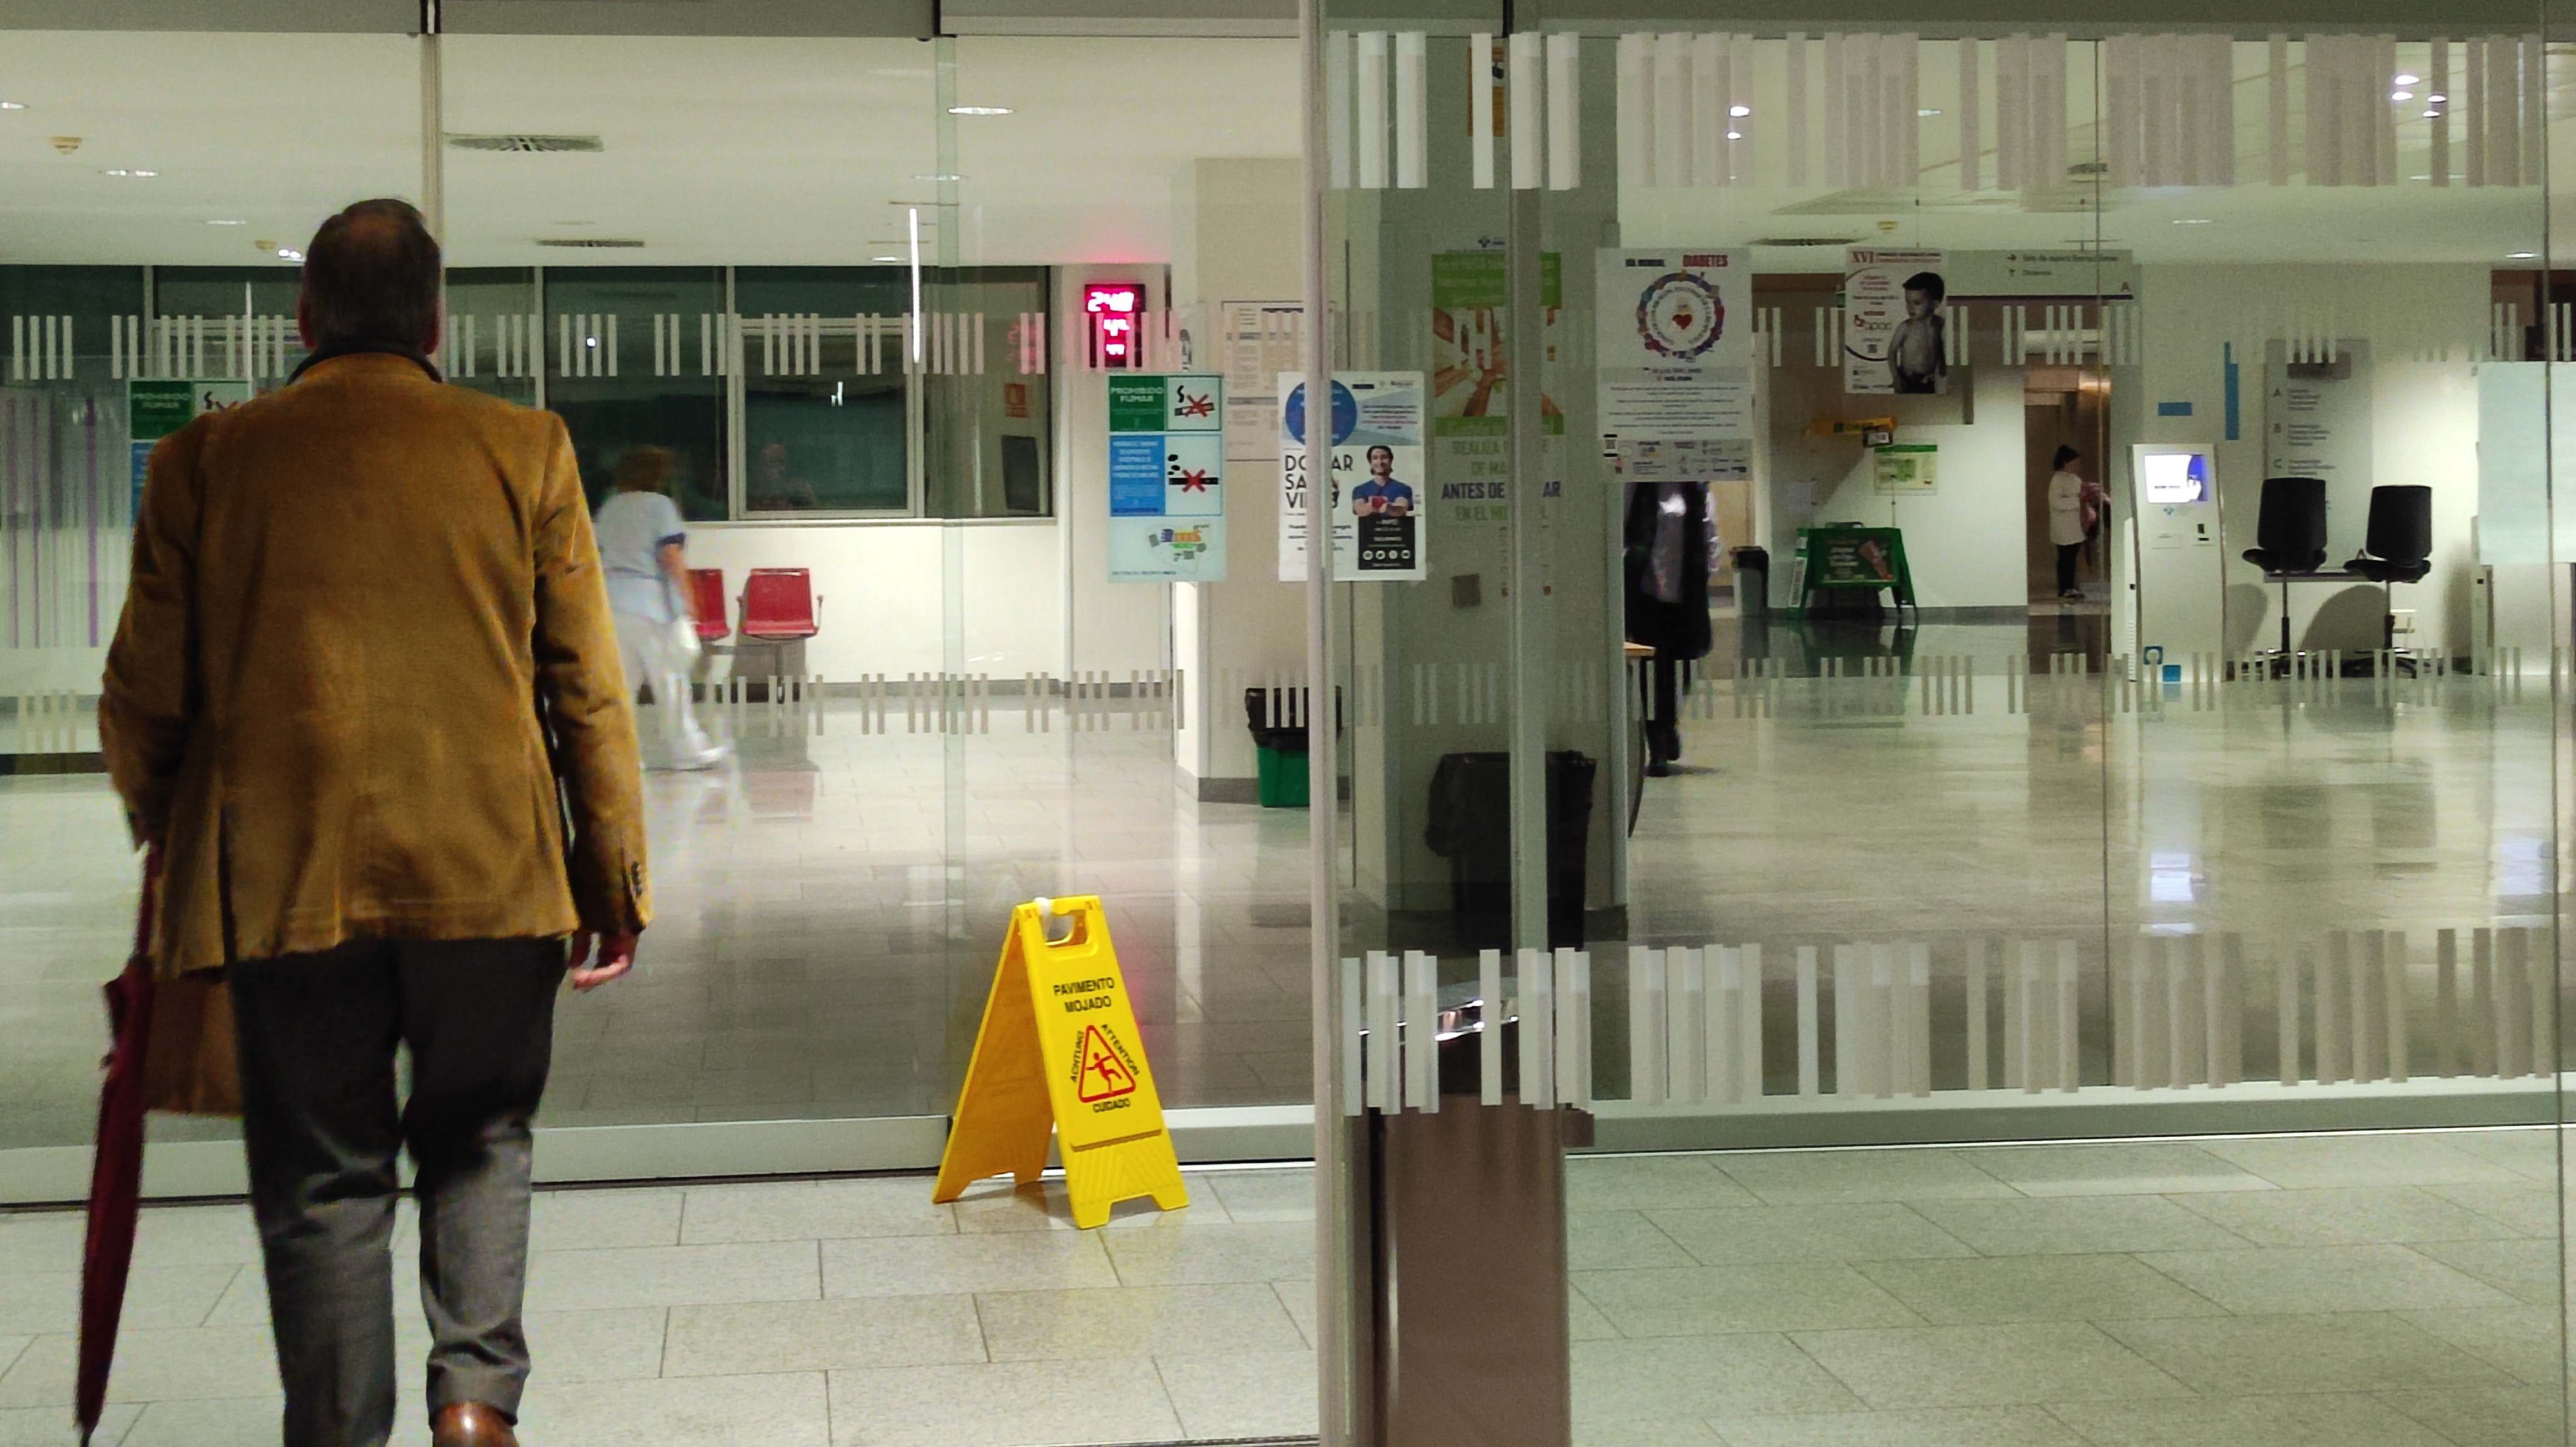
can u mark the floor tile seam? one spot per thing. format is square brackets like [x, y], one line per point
[2183, 1286]
[2184, 1199]
[2388, 1401]
[662, 1359]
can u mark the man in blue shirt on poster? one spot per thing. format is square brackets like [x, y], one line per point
[1382, 495]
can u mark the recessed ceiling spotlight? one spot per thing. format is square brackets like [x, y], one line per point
[2430, 116]
[1739, 112]
[939, 176]
[2192, 221]
[289, 253]
[2522, 256]
[885, 258]
[2437, 99]
[2410, 80]
[1926, 114]
[12, 105]
[218, 222]
[2401, 95]
[128, 171]
[979, 110]
[1735, 135]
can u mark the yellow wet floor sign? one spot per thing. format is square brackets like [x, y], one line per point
[1060, 1047]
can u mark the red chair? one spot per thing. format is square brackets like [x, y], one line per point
[706, 592]
[779, 606]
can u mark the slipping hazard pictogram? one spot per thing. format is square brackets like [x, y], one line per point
[1103, 1072]
[1059, 1054]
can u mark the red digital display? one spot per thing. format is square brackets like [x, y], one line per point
[1113, 307]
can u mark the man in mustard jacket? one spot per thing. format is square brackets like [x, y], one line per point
[365, 702]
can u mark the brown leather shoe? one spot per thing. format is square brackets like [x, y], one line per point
[470, 1424]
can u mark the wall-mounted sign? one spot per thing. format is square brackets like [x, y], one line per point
[155, 409]
[1166, 478]
[1894, 337]
[1906, 469]
[1379, 521]
[1675, 351]
[1113, 307]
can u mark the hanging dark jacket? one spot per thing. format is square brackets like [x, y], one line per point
[1673, 630]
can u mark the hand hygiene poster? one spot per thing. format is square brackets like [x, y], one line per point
[1894, 336]
[1379, 522]
[1675, 342]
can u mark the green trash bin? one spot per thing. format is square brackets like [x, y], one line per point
[1278, 722]
[1283, 777]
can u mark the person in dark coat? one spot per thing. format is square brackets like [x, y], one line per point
[1671, 549]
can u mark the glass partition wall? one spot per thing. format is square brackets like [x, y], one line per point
[2243, 824]
[2008, 1005]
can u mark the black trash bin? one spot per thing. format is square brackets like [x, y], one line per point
[1752, 583]
[1471, 827]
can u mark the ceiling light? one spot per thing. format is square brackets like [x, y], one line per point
[885, 258]
[2192, 221]
[1922, 114]
[227, 223]
[1735, 135]
[2401, 95]
[2410, 80]
[126, 171]
[2431, 116]
[979, 110]
[12, 105]
[1739, 112]
[939, 176]
[289, 253]
[2521, 255]
[2436, 99]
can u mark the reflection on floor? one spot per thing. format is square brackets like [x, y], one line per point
[2363, 1291]
[830, 904]
[829, 907]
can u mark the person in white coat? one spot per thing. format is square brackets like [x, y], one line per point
[2066, 523]
[642, 546]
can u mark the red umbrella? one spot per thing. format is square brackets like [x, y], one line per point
[116, 1171]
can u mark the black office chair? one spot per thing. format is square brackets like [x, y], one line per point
[2290, 536]
[2399, 548]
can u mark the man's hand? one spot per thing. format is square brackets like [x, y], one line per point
[616, 956]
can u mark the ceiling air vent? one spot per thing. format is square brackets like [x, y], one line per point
[524, 144]
[591, 243]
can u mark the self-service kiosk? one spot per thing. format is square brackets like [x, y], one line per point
[2179, 600]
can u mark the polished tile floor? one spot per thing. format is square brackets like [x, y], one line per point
[2350, 1291]
[829, 902]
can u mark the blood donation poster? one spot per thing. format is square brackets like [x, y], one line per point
[1893, 330]
[1166, 478]
[1380, 522]
[1675, 347]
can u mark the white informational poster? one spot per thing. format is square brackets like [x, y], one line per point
[1893, 331]
[1675, 352]
[1379, 518]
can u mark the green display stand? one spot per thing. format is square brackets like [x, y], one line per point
[1852, 557]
